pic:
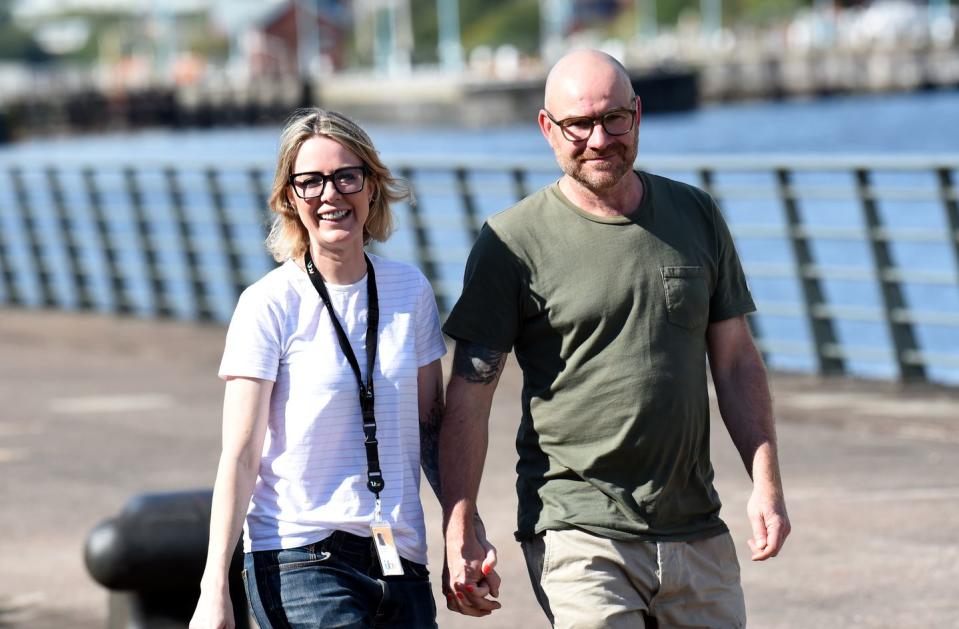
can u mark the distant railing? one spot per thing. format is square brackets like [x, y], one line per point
[854, 262]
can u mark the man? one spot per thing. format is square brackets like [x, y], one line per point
[612, 286]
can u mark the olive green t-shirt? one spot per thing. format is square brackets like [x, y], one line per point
[608, 317]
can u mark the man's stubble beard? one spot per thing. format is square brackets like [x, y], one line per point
[609, 175]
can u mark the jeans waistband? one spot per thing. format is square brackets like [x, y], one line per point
[339, 541]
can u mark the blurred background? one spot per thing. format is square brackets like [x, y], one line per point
[137, 145]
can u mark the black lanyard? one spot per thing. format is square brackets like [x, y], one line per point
[374, 476]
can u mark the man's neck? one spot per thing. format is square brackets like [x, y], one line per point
[620, 200]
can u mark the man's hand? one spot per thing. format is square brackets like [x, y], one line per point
[766, 510]
[469, 574]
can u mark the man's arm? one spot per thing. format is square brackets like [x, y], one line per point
[746, 408]
[462, 453]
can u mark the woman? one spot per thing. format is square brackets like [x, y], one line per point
[334, 394]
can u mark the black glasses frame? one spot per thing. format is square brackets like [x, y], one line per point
[364, 171]
[601, 119]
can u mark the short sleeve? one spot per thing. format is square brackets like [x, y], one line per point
[429, 339]
[488, 310]
[253, 340]
[731, 296]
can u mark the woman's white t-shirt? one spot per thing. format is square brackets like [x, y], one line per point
[313, 472]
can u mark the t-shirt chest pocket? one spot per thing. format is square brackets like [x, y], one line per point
[687, 295]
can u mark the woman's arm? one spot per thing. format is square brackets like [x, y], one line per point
[431, 404]
[246, 408]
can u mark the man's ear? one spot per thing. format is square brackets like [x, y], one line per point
[545, 126]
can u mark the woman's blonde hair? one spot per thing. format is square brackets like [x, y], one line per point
[288, 237]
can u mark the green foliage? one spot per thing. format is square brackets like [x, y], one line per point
[497, 22]
[425, 30]
[16, 44]
[482, 23]
[761, 11]
[517, 22]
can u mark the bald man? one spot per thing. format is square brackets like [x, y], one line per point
[613, 286]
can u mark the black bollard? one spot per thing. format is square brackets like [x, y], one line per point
[151, 557]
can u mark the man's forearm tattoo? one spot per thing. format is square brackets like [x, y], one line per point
[430, 421]
[476, 363]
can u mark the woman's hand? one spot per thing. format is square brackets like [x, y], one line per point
[213, 611]
[490, 576]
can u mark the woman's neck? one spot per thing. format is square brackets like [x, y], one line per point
[339, 266]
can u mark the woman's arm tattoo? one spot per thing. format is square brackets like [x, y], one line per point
[476, 363]
[430, 421]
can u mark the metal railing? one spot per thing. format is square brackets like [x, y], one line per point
[854, 262]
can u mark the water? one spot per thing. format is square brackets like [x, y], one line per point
[902, 123]
[880, 125]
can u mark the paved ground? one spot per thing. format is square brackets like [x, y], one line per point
[96, 409]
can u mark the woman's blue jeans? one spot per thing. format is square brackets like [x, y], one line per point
[336, 582]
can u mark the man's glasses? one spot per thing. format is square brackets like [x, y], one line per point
[579, 128]
[349, 180]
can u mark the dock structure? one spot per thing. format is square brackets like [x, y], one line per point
[99, 408]
[433, 95]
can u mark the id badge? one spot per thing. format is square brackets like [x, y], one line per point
[386, 548]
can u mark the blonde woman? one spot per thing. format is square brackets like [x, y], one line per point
[334, 395]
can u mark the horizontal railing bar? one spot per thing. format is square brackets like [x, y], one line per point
[931, 359]
[856, 352]
[828, 192]
[859, 313]
[780, 309]
[863, 274]
[904, 276]
[926, 317]
[790, 348]
[886, 234]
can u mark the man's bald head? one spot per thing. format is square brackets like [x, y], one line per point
[586, 74]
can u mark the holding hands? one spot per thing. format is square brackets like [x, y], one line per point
[469, 575]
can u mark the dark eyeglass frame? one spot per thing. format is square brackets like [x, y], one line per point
[593, 120]
[324, 178]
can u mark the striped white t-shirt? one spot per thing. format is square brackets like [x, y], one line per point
[312, 477]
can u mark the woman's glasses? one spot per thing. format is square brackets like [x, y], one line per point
[310, 185]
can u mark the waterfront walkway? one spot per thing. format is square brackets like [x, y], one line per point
[96, 409]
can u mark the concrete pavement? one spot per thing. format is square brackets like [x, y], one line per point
[96, 409]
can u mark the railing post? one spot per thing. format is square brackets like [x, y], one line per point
[950, 202]
[469, 205]
[423, 253]
[10, 289]
[263, 213]
[68, 233]
[144, 229]
[519, 183]
[227, 238]
[198, 288]
[118, 285]
[708, 183]
[900, 329]
[820, 323]
[41, 264]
